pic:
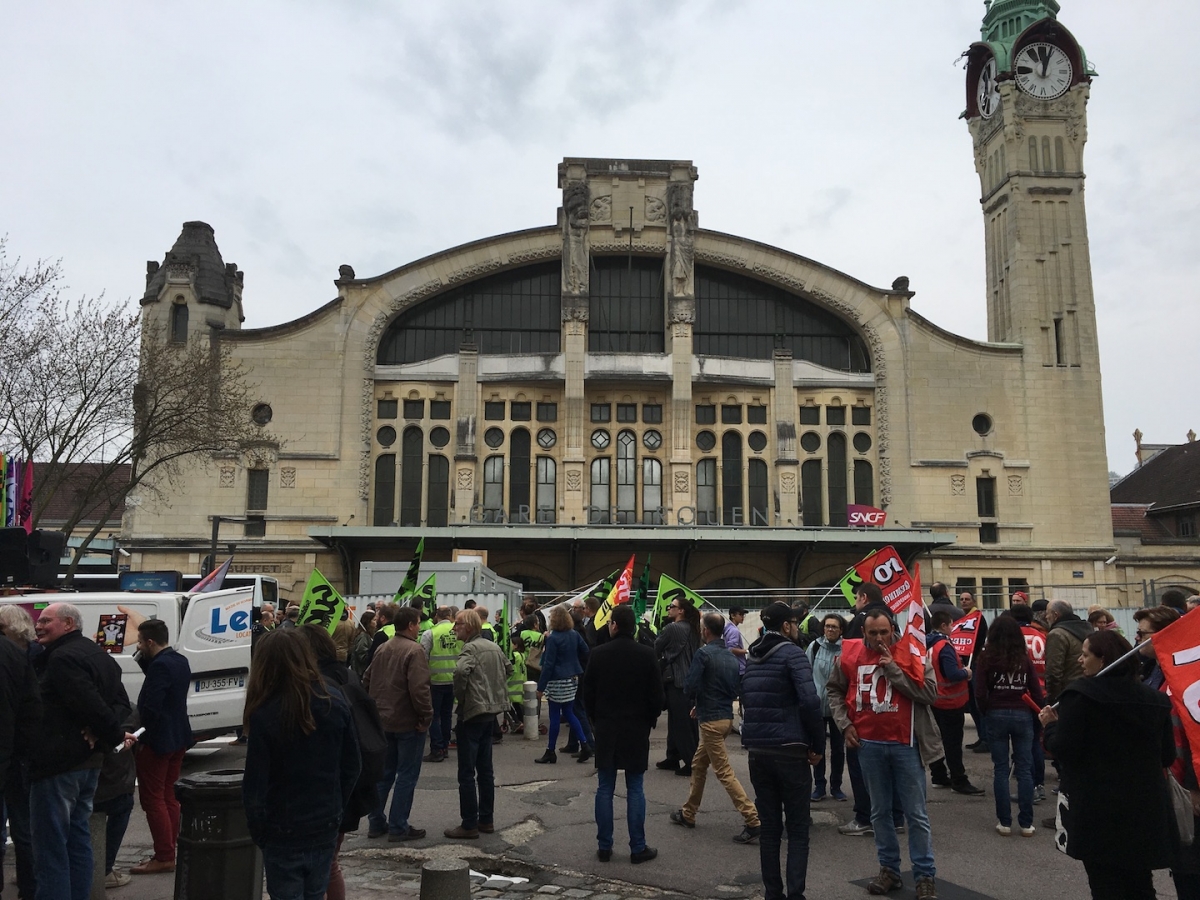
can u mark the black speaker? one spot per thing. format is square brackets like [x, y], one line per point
[14, 556]
[45, 550]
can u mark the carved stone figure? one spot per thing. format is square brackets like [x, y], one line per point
[575, 208]
[602, 209]
[679, 202]
[656, 210]
[958, 485]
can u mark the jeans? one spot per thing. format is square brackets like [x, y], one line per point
[635, 809]
[1017, 725]
[157, 775]
[895, 771]
[16, 804]
[862, 794]
[557, 712]
[401, 769]
[297, 874]
[950, 724]
[118, 810]
[443, 706]
[59, 808]
[475, 770]
[836, 753]
[782, 786]
[712, 752]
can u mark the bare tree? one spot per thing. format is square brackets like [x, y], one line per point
[83, 395]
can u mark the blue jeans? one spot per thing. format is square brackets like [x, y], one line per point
[59, 808]
[476, 785]
[117, 809]
[443, 706]
[782, 786]
[1002, 726]
[862, 794]
[635, 809]
[896, 770]
[836, 754]
[401, 769]
[297, 874]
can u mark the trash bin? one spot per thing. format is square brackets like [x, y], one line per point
[215, 859]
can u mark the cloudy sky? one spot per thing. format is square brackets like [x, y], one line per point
[311, 134]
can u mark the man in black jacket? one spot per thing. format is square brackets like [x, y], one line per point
[20, 709]
[84, 704]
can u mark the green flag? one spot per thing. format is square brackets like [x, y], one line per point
[503, 632]
[669, 589]
[424, 598]
[639, 599]
[322, 604]
[604, 588]
[408, 586]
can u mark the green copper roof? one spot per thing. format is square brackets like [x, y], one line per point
[1005, 20]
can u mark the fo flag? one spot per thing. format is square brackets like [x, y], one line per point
[885, 569]
[964, 634]
[910, 650]
[1178, 650]
[619, 594]
[322, 604]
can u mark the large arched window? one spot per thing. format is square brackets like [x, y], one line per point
[810, 493]
[513, 312]
[411, 477]
[864, 483]
[652, 512]
[760, 513]
[546, 486]
[741, 317]
[438, 513]
[179, 323]
[493, 489]
[598, 512]
[518, 476]
[385, 490]
[838, 496]
[732, 512]
[706, 492]
[626, 305]
[627, 478]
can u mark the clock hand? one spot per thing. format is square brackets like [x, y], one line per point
[1044, 55]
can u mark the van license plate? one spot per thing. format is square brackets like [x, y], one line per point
[219, 684]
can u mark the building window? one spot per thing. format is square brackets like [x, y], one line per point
[439, 437]
[600, 439]
[518, 475]
[652, 512]
[414, 409]
[626, 478]
[652, 439]
[387, 409]
[627, 412]
[493, 411]
[256, 526]
[652, 413]
[835, 415]
[601, 412]
[706, 440]
[385, 490]
[993, 594]
[985, 497]
[835, 450]
[520, 411]
[439, 410]
[386, 436]
[731, 479]
[546, 470]
[179, 323]
[756, 415]
[989, 533]
[810, 415]
[626, 305]
[413, 454]
[598, 512]
[706, 415]
[982, 424]
[493, 437]
[810, 493]
[860, 415]
[757, 441]
[862, 442]
[810, 442]
[438, 515]
[257, 481]
[864, 483]
[731, 415]
[546, 438]
[493, 489]
[1186, 526]
[760, 514]
[706, 492]
[547, 412]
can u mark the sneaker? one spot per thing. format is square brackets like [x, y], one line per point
[900, 828]
[855, 828]
[965, 787]
[817, 795]
[885, 881]
[1003, 830]
[748, 835]
[1028, 832]
[678, 818]
[1039, 793]
[116, 879]
[926, 890]
[838, 794]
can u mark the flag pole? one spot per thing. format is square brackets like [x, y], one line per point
[1112, 665]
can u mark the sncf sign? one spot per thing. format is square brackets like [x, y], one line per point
[865, 516]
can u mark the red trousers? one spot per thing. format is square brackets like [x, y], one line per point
[156, 788]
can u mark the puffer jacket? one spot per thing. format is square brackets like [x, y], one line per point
[823, 654]
[481, 679]
[779, 699]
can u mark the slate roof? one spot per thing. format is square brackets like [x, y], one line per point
[1130, 519]
[196, 249]
[66, 499]
[1169, 479]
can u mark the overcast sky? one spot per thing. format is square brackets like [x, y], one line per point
[311, 134]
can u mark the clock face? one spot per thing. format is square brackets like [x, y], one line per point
[1043, 71]
[987, 96]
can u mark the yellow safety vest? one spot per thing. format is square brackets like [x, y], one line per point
[443, 655]
[389, 630]
[516, 681]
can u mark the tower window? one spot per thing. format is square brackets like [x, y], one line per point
[257, 481]
[985, 497]
[414, 409]
[1060, 346]
[179, 323]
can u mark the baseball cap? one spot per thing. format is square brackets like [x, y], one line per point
[1021, 595]
[1040, 605]
[775, 614]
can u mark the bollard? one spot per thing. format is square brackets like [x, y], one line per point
[98, 825]
[529, 708]
[215, 859]
[446, 879]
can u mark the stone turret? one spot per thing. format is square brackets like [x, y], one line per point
[193, 290]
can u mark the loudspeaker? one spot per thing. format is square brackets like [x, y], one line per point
[45, 550]
[14, 556]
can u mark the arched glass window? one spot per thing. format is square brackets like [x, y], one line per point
[810, 493]
[493, 489]
[438, 514]
[732, 508]
[412, 451]
[546, 500]
[741, 317]
[627, 478]
[385, 490]
[179, 323]
[706, 492]
[598, 512]
[864, 483]
[835, 450]
[626, 304]
[760, 513]
[513, 312]
[652, 513]
[518, 475]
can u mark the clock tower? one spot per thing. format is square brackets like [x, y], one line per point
[1028, 82]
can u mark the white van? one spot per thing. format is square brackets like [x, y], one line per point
[211, 629]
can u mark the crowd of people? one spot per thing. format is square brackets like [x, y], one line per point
[354, 712]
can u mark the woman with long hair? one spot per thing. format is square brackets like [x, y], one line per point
[302, 762]
[675, 645]
[1112, 736]
[1003, 677]
[563, 657]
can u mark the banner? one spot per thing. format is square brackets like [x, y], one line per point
[669, 589]
[408, 586]
[964, 634]
[24, 504]
[619, 594]
[639, 599]
[322, 604]
[424, 598]
[910, 651]
[214, 579]
[1178, 650]
[859, 516]
[885, 569]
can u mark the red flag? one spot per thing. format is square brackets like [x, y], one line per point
[910, 651]
[213, 580]
[1178, 650]
[964, 634]
[619, 594]
[24, 504]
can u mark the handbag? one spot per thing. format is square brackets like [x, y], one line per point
[1181, 808]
